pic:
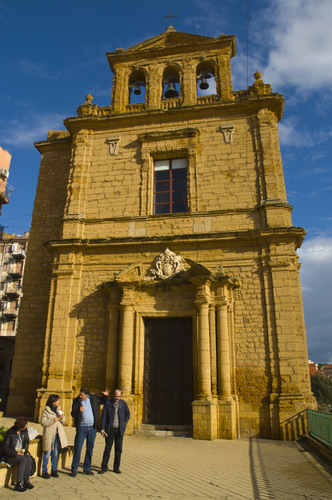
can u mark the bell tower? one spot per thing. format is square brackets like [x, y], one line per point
[168, 67]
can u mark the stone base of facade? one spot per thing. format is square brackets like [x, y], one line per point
[228, 418]
[205, 419]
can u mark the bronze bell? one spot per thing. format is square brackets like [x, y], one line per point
[171, 91]
[137, 90]
[204, 84]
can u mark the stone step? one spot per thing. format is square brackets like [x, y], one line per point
[164, 430]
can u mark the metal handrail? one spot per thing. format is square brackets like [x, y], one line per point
[320, 426]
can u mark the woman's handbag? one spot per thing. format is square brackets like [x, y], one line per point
[32, 465]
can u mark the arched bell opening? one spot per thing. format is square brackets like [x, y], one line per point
[171, 83]
[205, 77]
[137, 87]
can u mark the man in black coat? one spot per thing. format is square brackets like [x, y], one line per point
[114, 419]
[85, 412]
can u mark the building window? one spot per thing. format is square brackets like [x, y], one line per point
[170, 186]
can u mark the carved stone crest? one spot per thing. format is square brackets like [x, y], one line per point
[113, 145]
[167, 264]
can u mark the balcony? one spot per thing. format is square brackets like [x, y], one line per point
[15, 274]
[9, 313]
[5, 193]
[18, 253]
[13, 290]
[3, 198]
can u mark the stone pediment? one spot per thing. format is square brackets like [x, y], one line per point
[170, 38]
[168, 269]
[133, 273]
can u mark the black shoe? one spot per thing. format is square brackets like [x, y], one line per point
[102, 471]
[88, 472]
[28, 485]
[46, 475]
[54, 473]
[19, 487]
[73, 474]
[117, 471]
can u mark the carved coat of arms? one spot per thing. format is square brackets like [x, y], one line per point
[167, 264]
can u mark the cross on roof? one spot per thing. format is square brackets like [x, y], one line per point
[170, 16]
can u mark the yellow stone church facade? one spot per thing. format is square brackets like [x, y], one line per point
[162, 256]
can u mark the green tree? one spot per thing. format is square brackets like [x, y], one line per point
[322, 388]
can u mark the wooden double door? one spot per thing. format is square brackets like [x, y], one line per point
[168, 371]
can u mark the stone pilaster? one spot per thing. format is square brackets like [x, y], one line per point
[189, 83]
[112, 346]
[120, 97]
[125, 364]
[224, 77]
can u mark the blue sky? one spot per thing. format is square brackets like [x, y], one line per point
[53, 54]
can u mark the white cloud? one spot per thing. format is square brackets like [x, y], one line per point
[316, 280]
[299, 35]
[36, 69]
[291, 133]
[29, 128]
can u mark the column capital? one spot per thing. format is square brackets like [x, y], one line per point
[127, 298]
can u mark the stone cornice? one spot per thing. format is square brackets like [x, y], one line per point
[259, 236]
[43, 146]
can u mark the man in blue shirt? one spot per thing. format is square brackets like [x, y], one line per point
[85, 411]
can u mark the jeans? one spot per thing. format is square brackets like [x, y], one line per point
[54, 456]
[83, 433]
[118, 439]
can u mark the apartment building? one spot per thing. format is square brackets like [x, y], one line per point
[5, 189]
[12, 258]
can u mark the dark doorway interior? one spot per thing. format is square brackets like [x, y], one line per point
[168, 371]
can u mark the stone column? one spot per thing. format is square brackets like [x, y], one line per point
[227, 402]
[213, 349]
[203, 351]
[205, 418]
[224, 372]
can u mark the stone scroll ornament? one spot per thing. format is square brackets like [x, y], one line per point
[228, 131]
[167, 264]
[113, 145]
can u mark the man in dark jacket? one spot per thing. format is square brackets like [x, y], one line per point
[85, 411]
[114, 419]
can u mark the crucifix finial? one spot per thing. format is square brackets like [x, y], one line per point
[170, 16]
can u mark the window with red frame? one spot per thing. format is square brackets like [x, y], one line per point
[170, 186]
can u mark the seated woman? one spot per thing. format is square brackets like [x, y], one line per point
[51, 420]
[15, 452]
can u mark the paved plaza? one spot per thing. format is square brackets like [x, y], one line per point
[183, 469]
